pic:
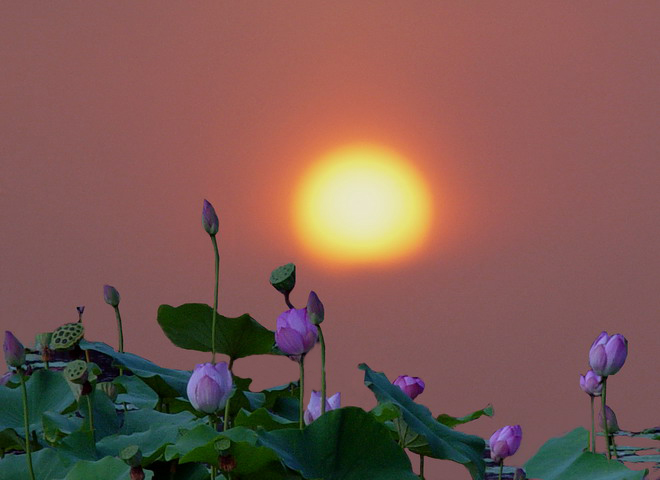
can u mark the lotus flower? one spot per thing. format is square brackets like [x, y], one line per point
[209, 387]
[591, 383]
[14, 350]
[505, 442]
[314, 407]
[295, 334]
[612, 423]
[411, 386]
[315, 310]
[608, 354]
[209, 218]
[110, 295]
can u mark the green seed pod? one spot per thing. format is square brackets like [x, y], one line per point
[284, 278]
[76, 372]
[131, 455]
[66, 336]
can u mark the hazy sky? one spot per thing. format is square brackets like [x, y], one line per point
[534, 123]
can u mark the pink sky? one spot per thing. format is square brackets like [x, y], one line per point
[535, 124]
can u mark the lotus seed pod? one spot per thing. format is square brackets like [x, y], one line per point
[222, 444]
[76, 372]
[284, 278]
[109, 388]
[66, 336]
[131, 455]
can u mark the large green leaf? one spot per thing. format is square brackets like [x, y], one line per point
[136, 392]
[443, 442]
[344, 444]
[189, 326]
[166, 382]
[57, 399]
[48, 463]
[262, 418]
[108, 468]
[566, 458]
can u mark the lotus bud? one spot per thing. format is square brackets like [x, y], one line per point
[519, 474]
[4, 379]
[612, 423]
[284, 278]
[295, 335]
[591, 384]
[109, 388]
[411, 386]
[111, 295]
[608, 354]
[209, 387]
[76, 372]
[209, 218]
[227, 463]
[131, 455]
[505, 442]
[313, 410]
[315, 310]
[14, 350]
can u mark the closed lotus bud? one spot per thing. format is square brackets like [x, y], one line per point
[137, 473]
[591, 384]
[313, 410]
[411, 386]
[111, 295]
[612, 423]
[109, 388]
[209, 218]
[14, 350]
[209, 387]
[505, 442]
[519, 474]
[227, 463]
[295, 335]
[284, 278]
[315, 310]
[608, 354]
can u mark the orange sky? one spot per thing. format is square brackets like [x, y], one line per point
[535, 123]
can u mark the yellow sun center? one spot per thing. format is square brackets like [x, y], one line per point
[362, 204]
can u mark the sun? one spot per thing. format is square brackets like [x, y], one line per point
[360, 204]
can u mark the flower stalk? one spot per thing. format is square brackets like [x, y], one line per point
[215, 296]
[593, 428]
[302, 389]
[323, 384]
[605, 428]
[26, 424]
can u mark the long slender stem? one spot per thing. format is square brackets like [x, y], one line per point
[501, 468]
[214, 471]
[287, 300]
[26, 424]
[421, 466]
[302, 390]
[121, 336]
[323, 390]
[91, 416]
[605, 429]
[215, 296]
[593, 429]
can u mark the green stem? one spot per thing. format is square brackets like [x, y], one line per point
[501, 468]
[91, 415]
[26, 424]
[421, 466]
[225, 419]
[287, 300]
[323, 390]
[616, 455]
[605, 429]
[302, 389]
[121, 336]
[214, 471]
[215, 296]
[593, 428]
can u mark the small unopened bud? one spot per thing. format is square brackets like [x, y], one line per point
[612, 423]
[14, 350]
[284, 278]
[209, 218]
[109, 388]
[227, 463]
[111, 295]
[519, 474]
[315, 310]
[137, 473]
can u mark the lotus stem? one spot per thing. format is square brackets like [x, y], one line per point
[215, 296]
[91, 416]
[593, 428]
[421, 467]
[501, 468]
[26, 424]
[121, 336]
[302, 390]
[323, 390]
[605, 429]
[287, 300]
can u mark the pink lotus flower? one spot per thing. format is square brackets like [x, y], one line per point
[209, 387]
[14, 350]
[411, 386]
[314, 407]
[591, 384]
[505, 442]
[295, 334]
[608, 354]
